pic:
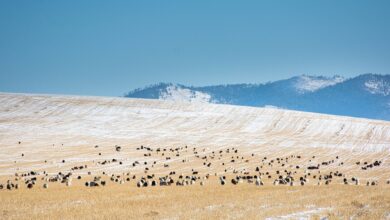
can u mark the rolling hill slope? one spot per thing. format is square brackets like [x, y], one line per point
[69, 126]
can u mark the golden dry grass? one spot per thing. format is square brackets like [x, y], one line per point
[242, 201]
[196, 202]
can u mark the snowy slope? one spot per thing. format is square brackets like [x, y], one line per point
[378, 86]
[178, 94]
[56, 128]
[34, 117]
[307, 83]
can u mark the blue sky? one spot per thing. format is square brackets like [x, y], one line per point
[110, 47]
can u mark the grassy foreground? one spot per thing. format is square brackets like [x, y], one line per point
[197, 202]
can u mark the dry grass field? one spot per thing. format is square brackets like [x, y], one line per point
[43, 135]
[196, 202]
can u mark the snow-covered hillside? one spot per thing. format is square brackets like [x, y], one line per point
[366, 96]
[307, 83]
[33, 117]
[56, 128]
[179, 94]
[378, 86]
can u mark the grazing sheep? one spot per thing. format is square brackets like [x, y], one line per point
[371, 183]
[313, 167]
[140, 183]
[259, 182]
[93, 184]
[45, 185]
[30, 185]
[222, 180]
[179, 183]
[355, 180]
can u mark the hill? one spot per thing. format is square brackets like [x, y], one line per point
[55, 147]
[365, 96]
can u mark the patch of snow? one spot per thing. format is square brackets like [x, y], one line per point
[387, 215]
[379, 87]
[272, 106]
[213, 207]
[301, 215]
[176, 93]
[311, 84]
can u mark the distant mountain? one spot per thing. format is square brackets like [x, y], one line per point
[366, 96]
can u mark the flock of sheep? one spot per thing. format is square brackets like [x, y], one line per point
[225, 166]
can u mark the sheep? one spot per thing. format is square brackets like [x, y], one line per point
[45, 185]
[179, 183]
[93, 184]
[140, 183]
[313, 167]
[30, 185]
[259, 182]
[373, 183]
[222, 180]
[165, 181]
[355, 180]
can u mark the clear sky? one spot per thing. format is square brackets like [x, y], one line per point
[110, 47]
